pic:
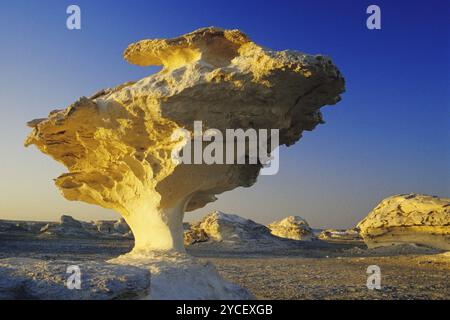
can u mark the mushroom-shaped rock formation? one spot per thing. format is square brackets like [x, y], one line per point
[408, 219]
[292, 227]
[117, 144]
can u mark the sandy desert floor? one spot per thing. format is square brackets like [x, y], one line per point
[403, 277]
[319, 270]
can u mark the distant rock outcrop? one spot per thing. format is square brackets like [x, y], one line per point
[408, 218]
[67, 227]
[20, 227]
[25, 278]
[292, 227]
[341, 234]
[72, 228]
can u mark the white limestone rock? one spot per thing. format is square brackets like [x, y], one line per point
[25, 278]
[179, 276]
[408, 219]
[341, 234]
[292, 227]
[117, 145]
[220, 226]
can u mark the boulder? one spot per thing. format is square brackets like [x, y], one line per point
[292, 227]
[219, 226]
[408, 219]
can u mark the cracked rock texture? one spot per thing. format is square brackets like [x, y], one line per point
[408, 218]
[117, 144]
[292, 227]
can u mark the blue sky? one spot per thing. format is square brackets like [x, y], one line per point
[389, 134]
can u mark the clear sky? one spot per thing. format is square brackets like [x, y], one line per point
[389, 134]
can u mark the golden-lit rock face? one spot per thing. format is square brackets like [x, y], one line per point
[117, 143]
[412, 218]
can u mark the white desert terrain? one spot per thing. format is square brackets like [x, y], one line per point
[256, 263]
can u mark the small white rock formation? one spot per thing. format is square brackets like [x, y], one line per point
[100, 280]
[219, 226]
[408, 219]
[292, 227]
[340, 234]
[117, 144]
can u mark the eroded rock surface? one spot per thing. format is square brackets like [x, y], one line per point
[179, 276]
[117, 144]
[340, 234]
[292, 227]
[25, 278]
[408, 218]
